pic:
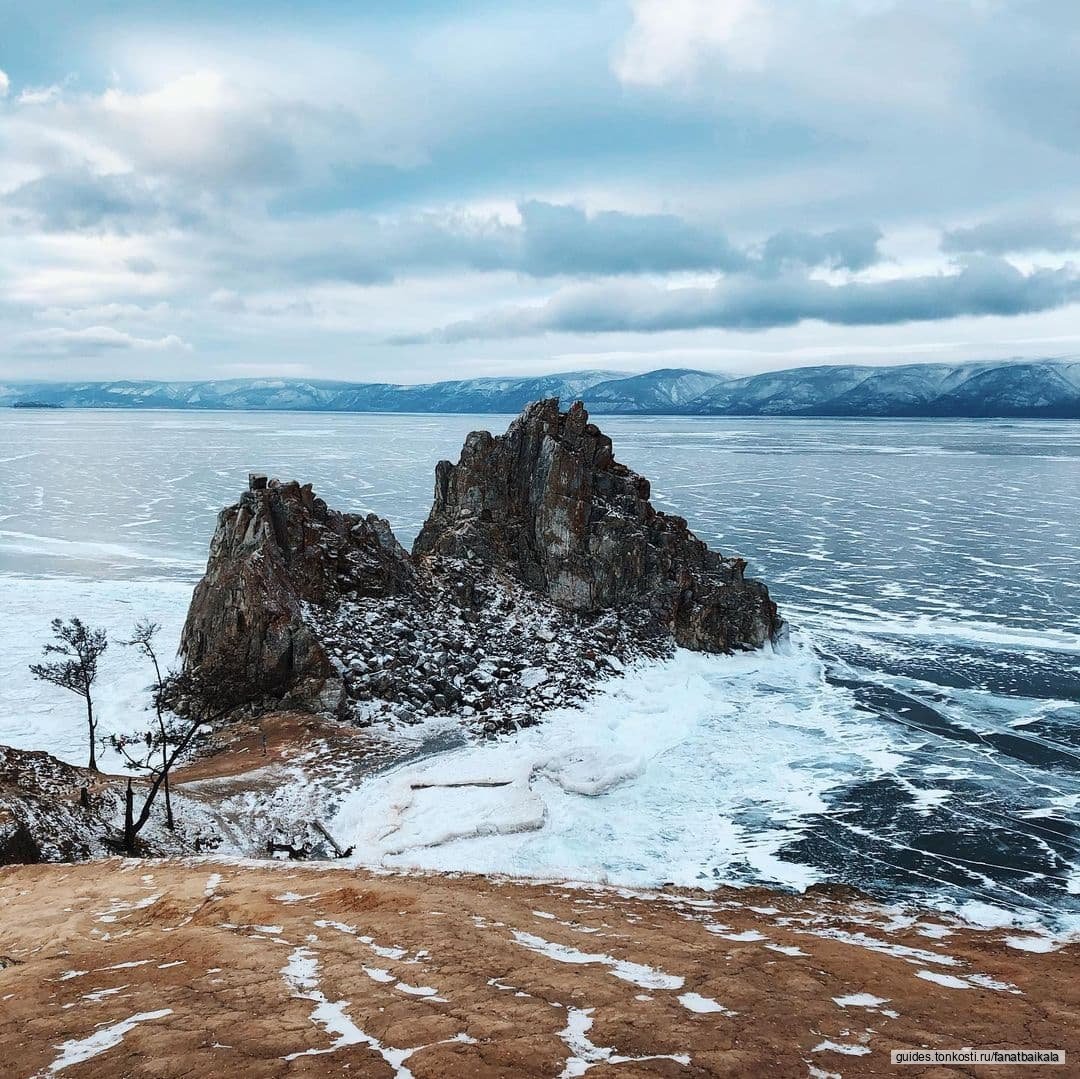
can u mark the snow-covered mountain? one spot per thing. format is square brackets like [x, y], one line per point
[669, 390]
[1043, 388]
[1046, 388]
[469, 395]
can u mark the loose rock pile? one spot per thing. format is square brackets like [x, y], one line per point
[467, 644]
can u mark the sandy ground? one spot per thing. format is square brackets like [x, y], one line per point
[201, 968]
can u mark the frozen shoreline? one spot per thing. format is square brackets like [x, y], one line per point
[698, 770]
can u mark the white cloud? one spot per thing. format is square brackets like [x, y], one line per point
[669, 39]
[39, 95]
[5, 83]
[829, 63]
[980, 287]
[227, 299]
[104, 312]
[94, 340]
[204, 129]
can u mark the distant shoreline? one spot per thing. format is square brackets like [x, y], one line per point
[842, 418]
[1038, 389]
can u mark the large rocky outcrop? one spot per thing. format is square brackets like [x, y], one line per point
[277, 550]
[541, 567]
[549, 502]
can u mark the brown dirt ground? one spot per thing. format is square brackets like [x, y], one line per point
[85, 947]
[277, 738]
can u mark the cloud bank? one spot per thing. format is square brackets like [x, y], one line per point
[983, 287]
[417, 192]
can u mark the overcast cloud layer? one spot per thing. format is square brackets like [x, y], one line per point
[425, 193]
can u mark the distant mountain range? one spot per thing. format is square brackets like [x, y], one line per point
[1040, 389]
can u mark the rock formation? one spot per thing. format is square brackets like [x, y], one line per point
[277, 550]
[549, 502]
[542, 566]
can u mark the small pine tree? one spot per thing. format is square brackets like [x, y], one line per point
[79, 647]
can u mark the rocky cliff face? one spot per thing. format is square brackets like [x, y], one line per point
[542, 566]
[549, 502]
[278, 550]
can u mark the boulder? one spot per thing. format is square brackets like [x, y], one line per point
[548, 503]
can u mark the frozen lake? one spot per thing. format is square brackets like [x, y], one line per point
[922, 737]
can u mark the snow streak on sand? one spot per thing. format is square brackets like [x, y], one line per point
[301, 974]
[585, 1054]
[636, 973]
[82, 1049]
[694, 770]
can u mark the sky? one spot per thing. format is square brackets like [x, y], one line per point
[414, 191]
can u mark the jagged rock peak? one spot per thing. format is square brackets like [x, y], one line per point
[278, 549]
[548, 502]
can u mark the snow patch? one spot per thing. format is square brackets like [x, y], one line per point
[694, 1002]
[636, 973]
[938, 978]
[301, 974]
[837, 1047]
[1033, 944]
[81, 1049]
[860, 1000]
[585, 1054]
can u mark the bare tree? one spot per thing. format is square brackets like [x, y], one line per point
[143, 638]
[195, 699]
[79, 648]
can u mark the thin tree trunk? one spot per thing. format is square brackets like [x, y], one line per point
[148, 802]
[169, 821]
[129, 819]
[90, 725]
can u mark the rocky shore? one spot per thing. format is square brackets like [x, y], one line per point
[543, 569]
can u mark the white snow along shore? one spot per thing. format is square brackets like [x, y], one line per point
[694, 770]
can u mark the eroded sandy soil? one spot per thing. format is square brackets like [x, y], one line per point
[139, 968]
